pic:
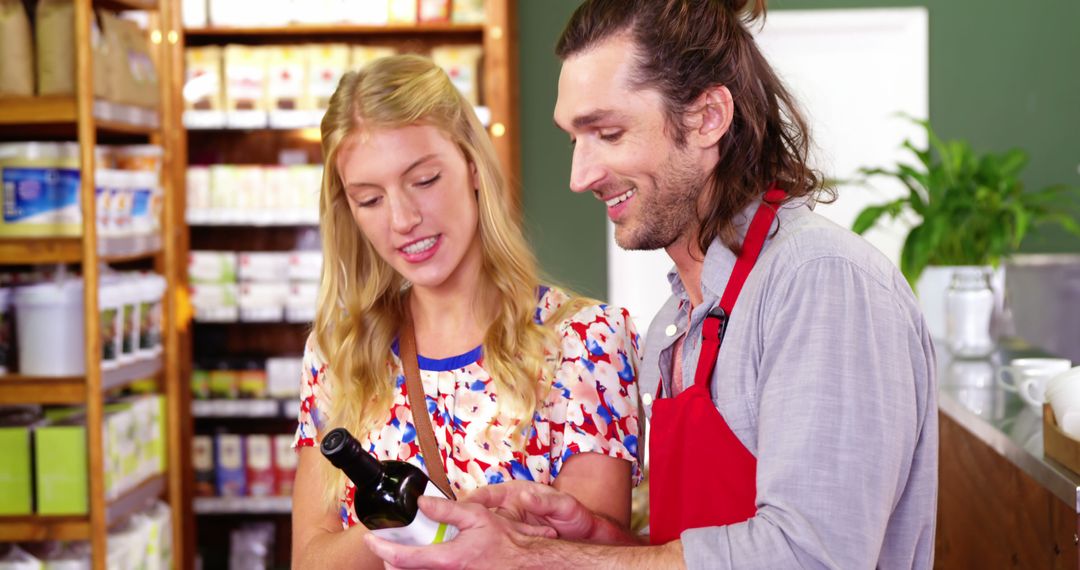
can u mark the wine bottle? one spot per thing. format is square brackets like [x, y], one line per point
[386, 492]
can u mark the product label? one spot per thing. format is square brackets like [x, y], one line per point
[422, 531]
[128, 325]
[41, 195]
[108, 335]
[140, 209]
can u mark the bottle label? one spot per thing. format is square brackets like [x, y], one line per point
[421, 531]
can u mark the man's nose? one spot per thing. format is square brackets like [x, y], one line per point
[585, 170]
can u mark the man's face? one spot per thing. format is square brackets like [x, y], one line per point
[622, 152]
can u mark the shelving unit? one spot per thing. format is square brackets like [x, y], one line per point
[88, 121]
[260, 146]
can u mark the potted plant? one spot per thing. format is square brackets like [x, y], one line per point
[973, 210]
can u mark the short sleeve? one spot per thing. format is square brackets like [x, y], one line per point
[314, 398]
[597, 376]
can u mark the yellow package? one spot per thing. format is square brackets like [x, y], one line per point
[245, 78]
[363, 55]
[202, 83]
[326, 64]
[462, 64]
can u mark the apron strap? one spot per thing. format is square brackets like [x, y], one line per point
[715, 325]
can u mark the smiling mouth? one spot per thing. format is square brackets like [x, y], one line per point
[420, 246]
[621, 198]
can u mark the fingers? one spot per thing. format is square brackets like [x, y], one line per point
[404, 557]
[534, 530]
[460, 515]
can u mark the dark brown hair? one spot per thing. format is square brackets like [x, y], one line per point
[684, 47]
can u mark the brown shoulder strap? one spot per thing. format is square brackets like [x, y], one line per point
[418, 403]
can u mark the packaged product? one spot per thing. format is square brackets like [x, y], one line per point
[468, 12]
[402, 12]
[326, 64]
[41, 185]
[260, 465]
[132, 75]
[55, 21]
[363, 55]
[18, 559]
[462, 64]
[7, 332]
[434, 10]
[202, 460]
[203, 79]
[245, 78]
[284, 464]
[287, 72]
[229, 465]
[16, 51]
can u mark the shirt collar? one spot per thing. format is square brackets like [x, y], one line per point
[719, 260]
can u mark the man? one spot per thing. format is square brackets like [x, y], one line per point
[810, 439]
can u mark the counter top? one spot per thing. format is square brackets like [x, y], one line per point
[970, 395]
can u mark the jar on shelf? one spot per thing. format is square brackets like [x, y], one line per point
[969, 309]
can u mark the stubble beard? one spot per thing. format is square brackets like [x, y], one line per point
[666, 210]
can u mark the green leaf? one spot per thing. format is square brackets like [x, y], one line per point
[867, 218]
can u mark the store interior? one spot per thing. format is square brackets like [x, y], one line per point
[160, 249]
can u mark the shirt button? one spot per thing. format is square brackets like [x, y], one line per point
[671, 330]
[646, 399]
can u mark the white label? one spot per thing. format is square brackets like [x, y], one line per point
[202, 458]
[422, 531]
[258, 452]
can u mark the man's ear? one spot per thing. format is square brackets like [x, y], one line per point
[711, 116]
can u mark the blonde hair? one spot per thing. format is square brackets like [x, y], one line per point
[361, 298]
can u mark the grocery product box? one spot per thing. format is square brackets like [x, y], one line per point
[60, 468]
[284, 464]
[16, 474]
[202, 460]
[207, 267]
[283, 377]
[263, 266]
[229, 467]
[260, 465]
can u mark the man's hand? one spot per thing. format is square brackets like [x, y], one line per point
[538, 505]
[485, 540]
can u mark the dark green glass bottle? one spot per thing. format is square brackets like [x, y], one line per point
[386, 491]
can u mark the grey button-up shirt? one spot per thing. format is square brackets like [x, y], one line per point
[827, 376]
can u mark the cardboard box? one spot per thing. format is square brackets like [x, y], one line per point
[16, 475]
[260, 465]
[229, 464]
[60, 465]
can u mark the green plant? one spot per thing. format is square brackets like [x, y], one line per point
[973, 208]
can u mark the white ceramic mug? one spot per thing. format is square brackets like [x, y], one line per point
[1063, 394]
[1010, 376]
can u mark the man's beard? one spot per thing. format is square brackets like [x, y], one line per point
[667, 210]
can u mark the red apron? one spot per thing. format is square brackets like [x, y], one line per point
[700, 474]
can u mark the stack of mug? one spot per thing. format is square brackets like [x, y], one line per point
[1052, 381]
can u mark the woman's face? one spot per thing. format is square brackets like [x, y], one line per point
[413, 196]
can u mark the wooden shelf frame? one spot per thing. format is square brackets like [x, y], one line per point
[77, 527]
[334, 30]
[82, 119]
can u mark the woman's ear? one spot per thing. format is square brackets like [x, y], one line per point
[474, 177]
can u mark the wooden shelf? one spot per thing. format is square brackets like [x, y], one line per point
[127, 4]
[335, 30]
[19, 389]
[61, 111]
[37, 110]
[37, 528]
[243, 505]
[30, 251]
[75, 527]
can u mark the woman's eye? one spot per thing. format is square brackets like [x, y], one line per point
[367, 203]
[429, 181]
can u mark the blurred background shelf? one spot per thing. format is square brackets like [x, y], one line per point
[19, 389]
[242, 505]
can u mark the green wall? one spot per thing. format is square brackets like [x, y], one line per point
[1003, 74]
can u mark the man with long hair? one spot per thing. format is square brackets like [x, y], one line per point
[794, 418]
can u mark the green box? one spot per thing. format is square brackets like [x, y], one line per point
[15, 473]
[61, 469]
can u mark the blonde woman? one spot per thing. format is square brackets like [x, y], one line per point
[522, 381]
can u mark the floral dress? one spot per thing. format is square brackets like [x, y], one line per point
[592, 406]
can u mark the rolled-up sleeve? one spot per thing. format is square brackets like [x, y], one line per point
[842, 398]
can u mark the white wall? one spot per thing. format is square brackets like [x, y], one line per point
[852, 71]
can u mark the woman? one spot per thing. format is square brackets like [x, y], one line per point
[523, 381]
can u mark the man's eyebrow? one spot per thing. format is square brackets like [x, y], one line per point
[414, 164]
[587, 120]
